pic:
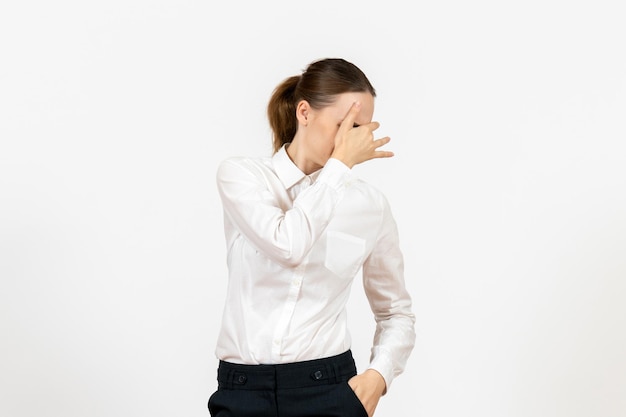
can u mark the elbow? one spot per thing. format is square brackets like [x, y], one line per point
[290, 258]
[288, 250]
[396, 314]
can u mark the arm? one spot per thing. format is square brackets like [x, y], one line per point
[284, 235]
[394, 338]
[383, 279]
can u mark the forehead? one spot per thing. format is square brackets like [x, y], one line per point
[340, 107]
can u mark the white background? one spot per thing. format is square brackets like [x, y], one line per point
[507, 120]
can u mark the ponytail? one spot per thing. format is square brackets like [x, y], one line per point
[281, 112]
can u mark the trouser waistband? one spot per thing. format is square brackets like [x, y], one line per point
[329, 370]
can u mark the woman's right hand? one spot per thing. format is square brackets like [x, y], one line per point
[354, 145]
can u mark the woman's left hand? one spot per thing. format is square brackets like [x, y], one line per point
[368, 387]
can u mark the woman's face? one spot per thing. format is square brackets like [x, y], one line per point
[323, 124]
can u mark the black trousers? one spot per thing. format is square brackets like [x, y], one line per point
[316, 388]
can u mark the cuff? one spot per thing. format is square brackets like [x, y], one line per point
[335, 173]
[383, 364]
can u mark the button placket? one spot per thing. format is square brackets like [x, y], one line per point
[290, 305]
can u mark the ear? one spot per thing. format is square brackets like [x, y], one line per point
[303, 112]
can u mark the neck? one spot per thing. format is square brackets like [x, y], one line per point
[298, 156]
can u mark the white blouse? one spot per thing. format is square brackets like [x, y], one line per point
[294, 243]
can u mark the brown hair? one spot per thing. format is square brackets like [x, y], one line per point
[319, 85]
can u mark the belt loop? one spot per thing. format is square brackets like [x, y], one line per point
[337, 373]
[329, 372]
[229, 378]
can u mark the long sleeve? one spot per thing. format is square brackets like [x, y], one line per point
[284, 234]
[383, 279]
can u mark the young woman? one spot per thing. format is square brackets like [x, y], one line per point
[299, 227]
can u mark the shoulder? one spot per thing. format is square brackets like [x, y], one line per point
[237, 166]
[367, 189]
[368, 195]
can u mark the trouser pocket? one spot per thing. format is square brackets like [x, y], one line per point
[354, 406]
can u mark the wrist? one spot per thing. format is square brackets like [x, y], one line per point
[376, 377]
[340, 156]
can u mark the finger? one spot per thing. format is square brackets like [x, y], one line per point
[372, 126]
[383, 154]
[381, 142]
[348, 121]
